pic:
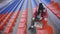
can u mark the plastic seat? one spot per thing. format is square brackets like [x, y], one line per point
[21, 31]
[22, 25]
[24, 12]
[23, 20]
[3, 17]
[8, 30]
[56, 6]
[23, 15]
[46, 29]
[58, 9]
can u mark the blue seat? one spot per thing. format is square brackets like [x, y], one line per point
[33, 3]
[46, 1]
[26, 5]
[10, 7]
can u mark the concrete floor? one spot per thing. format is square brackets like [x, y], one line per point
[30, 12]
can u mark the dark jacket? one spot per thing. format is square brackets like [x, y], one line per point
[40, 6]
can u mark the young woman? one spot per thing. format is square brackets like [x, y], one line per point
[40, 11]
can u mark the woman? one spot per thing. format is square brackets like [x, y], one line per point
[40, 11]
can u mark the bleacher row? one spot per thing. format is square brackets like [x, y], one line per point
[3, 23]
[54, 7]
[3, 16]
[9, 27]
[8, 20]
[22, 28]
[23, 23]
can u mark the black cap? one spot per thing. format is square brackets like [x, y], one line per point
[40, 4]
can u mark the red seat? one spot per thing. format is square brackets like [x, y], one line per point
[23, 20]
[24, 13]
[21, 31]
[22, 25]
[58, 9]
[47, 29]
[3, 17]
[8, 30]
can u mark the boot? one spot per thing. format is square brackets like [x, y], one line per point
[31, 28]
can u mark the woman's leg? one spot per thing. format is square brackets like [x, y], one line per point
[42, 13]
